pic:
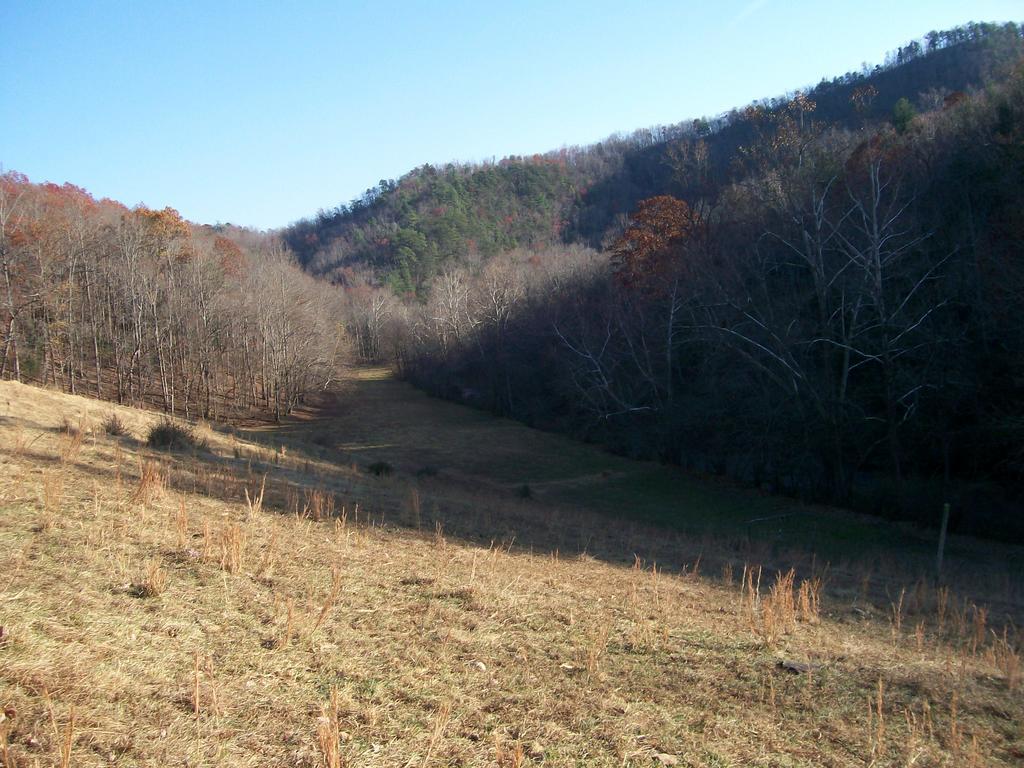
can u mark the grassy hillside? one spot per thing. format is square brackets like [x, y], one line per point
[451, 450]
[152, 615]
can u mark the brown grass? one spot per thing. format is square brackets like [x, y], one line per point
[232, 547]
[281, 640]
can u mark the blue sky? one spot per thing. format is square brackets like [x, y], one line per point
[260, 113]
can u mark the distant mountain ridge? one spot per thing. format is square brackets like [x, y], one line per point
[403, 231]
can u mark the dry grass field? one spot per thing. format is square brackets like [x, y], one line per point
[261, 599]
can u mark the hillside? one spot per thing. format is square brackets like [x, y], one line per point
[160, 608]
[406, 230]
[832, 311]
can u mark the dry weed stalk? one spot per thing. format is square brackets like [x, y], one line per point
[978, 624]
[292, 501]
[1007, 659]
[214, 698]
[694, 572]
[752, 595]
[197, 687]
[319, 504]
[66, 740]
[597, 648]
[289, 625]
[232, 548]
[5, 753]
[896, 616]
[154, 580]
[809, 600]
[876, 722]
[444, 715]
[196, 693]
[775, 614]
[974, 753]
[656, 586]
[508, 757]
[331, 599]
[255, 504]
[207, 540]
[53, 494]
[20, 442]
[72, 437]
[955, 734]
[269, 560]
[69, 735]
[917, 733]
[727, 574]
[781, 601]
[328, 733]
[942, 606]
[919, 636]
[920, 595]
[151, 483]
[961, 618]
[181, 525]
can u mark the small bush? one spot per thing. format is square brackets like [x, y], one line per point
[169, 435]
[114, 427]
[380, 468]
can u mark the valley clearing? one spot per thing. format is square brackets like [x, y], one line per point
[391, 580]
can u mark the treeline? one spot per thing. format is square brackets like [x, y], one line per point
[698, 158]
[843, 320]
[407, 231]
[140, 306]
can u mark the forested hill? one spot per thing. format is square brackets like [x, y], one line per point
[404, 230]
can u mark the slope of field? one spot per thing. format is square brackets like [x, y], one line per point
[613, 507]
[157, 608]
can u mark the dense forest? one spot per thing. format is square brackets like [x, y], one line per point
[140, 306]
[819, 295]
[406, 231]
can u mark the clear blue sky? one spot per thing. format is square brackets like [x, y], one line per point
[259, 113]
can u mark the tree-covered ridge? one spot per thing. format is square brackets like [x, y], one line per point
[404, 231]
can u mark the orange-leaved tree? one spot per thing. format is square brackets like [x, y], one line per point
[655, 245]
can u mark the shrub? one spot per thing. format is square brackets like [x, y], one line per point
[380, 468]
[114, 427]
[170, 435]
